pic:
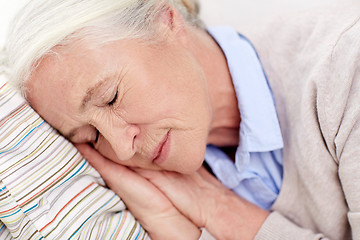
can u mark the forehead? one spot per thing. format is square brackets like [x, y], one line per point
[61, 80]
[73, 67]
[55, 72]
[57, 84]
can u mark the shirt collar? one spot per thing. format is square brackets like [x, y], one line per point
[259, 127]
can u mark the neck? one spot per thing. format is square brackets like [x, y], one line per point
[224, 129]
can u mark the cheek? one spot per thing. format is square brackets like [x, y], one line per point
[145, 104]
[188, 153]
[106, 150]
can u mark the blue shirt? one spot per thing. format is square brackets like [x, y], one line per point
[256, 174]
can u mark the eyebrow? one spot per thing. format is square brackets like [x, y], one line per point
[89, 95]
[91, 90]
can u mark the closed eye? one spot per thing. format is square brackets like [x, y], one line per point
[97, 136]
[114, 99]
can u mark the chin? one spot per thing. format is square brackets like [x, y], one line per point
[193, 159]
[192, 166]
[191, 170]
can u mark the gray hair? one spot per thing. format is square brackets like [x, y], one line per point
[42, 25]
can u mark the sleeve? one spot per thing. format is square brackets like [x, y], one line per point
[343, 118]
[279, 227]
[347, 146]
[341, 130]
[349, 169]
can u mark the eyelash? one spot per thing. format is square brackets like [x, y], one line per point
[109, 104]
[97, 136]
[113, 100]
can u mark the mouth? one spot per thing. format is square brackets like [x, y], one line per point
[161, 152]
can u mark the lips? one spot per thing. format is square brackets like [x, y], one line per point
[161, 151]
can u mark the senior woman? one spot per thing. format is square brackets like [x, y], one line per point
[154, 94]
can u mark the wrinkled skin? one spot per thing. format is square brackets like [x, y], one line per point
[176, 96]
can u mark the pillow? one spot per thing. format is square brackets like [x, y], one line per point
[47, 189]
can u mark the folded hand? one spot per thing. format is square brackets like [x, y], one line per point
[207, 203]
[145, 201]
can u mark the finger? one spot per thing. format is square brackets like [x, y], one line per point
[131, 187]
[186, 192]
[146, 202]
[100, 163]
[156, 176]
[209, 177]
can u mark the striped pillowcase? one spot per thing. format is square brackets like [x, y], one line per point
[47, 189]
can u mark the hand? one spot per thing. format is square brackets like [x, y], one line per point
[148, 205]
[207, 203]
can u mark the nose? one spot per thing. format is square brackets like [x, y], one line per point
[122, 140]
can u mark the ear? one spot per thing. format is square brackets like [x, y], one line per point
[172, 23]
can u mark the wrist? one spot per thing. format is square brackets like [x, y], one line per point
[175, 227]
[235, 218]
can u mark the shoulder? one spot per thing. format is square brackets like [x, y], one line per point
[312, 63]
[304, 37]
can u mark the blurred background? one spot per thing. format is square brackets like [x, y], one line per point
[239, 13]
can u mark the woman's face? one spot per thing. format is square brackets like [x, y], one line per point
[149, 102]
